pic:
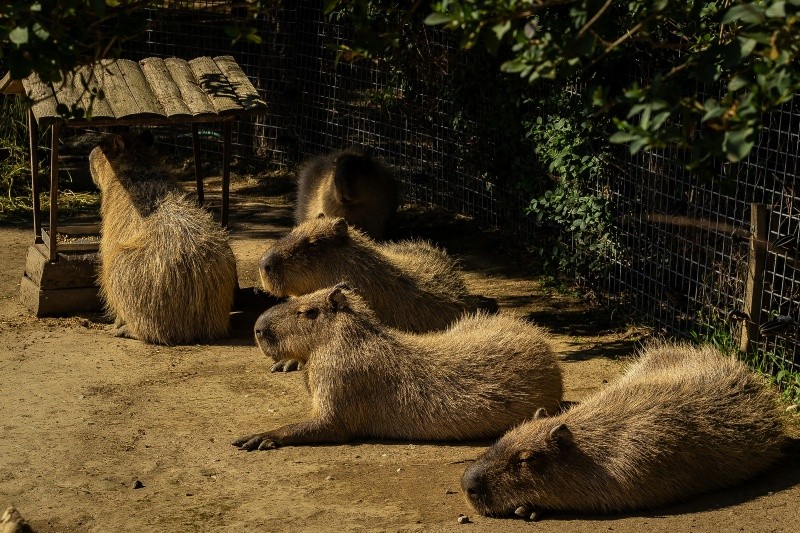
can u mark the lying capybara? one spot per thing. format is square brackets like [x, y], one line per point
[410, 285]
[167, 272]
[480, 377]
[682, 420]
[349, 184]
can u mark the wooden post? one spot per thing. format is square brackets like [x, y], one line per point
[226, 168]
[754, 289]
[33, 144]
[198, 172]
[54, 134]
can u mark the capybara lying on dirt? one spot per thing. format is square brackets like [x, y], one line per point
[475, 380]
[167, 272]
[682, 420]
[410, 285]
[348, 184]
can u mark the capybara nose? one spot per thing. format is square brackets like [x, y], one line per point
[268, 261]
[262, 330]
[473, 483]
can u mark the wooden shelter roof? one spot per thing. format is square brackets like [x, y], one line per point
[151, 92]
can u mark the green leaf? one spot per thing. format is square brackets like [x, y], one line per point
[747, 13]
[18, 35]
[437, 18]
[737, 83]
[776, 10]
[622, 137]
[737, 143]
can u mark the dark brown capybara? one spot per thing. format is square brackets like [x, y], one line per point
[681, 421]
[475, 380]
[349, 184]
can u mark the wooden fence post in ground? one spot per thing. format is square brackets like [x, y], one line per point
[754, 288]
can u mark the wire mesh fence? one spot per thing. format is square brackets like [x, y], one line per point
[682, 246]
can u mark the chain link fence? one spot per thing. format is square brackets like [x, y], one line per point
[682, 247]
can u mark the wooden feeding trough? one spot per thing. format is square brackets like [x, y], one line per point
[60, 271]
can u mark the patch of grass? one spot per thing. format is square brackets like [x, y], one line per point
[16, 202]
[780, 372]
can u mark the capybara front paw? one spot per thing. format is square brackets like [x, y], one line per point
[287, 365]
[123, 332]
[259, 441]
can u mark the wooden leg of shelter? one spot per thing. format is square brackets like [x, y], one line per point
[227, 132]
[754, 289]
[33, 144]
[198, 173]
[54, 134]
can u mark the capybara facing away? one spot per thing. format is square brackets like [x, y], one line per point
[475, 380]
[682, 420]
[410, 285]
[349, 184]
[167, 272]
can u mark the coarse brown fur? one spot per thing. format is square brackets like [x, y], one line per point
[682, 420]
[475, 380]
[410, 285]
[167, 272]
[348, 184]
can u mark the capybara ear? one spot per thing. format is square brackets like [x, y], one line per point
[340, 227]
[146, 138]
[561, 434]
[540, 413]
[112, 144]
[336, 298]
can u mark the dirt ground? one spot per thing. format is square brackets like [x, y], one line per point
[105, 435]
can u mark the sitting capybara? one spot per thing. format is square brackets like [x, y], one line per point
[682, 420]
[475, 380]
[167, 272]
[349, 184]
[410, 285]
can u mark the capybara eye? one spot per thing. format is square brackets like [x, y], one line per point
[528, 457]
[311, 313]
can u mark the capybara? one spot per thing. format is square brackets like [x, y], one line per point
[682, 420]
[411, 285]
[349, 184]
[167, 272]
[475, 380]
[12, 522]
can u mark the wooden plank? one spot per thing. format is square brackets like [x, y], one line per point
[58, 302]
[122, 101]
[754, 288]
[72, 270]
[8, 85]
[215, 85]
[41, 93]
[194, 97]
[244, 89]
[164, 87]
[137, 84]
[99, 108]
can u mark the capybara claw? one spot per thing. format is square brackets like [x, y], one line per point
[286, 365]
[259, 441]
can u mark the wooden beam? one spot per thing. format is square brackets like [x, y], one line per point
[754, 289]
[54, 134]
[198, 171]
[227, 128]
[33, 145]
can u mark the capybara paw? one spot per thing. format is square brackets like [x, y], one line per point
[123, 332]
[287, 365]
[259, 441]
[12, 522]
